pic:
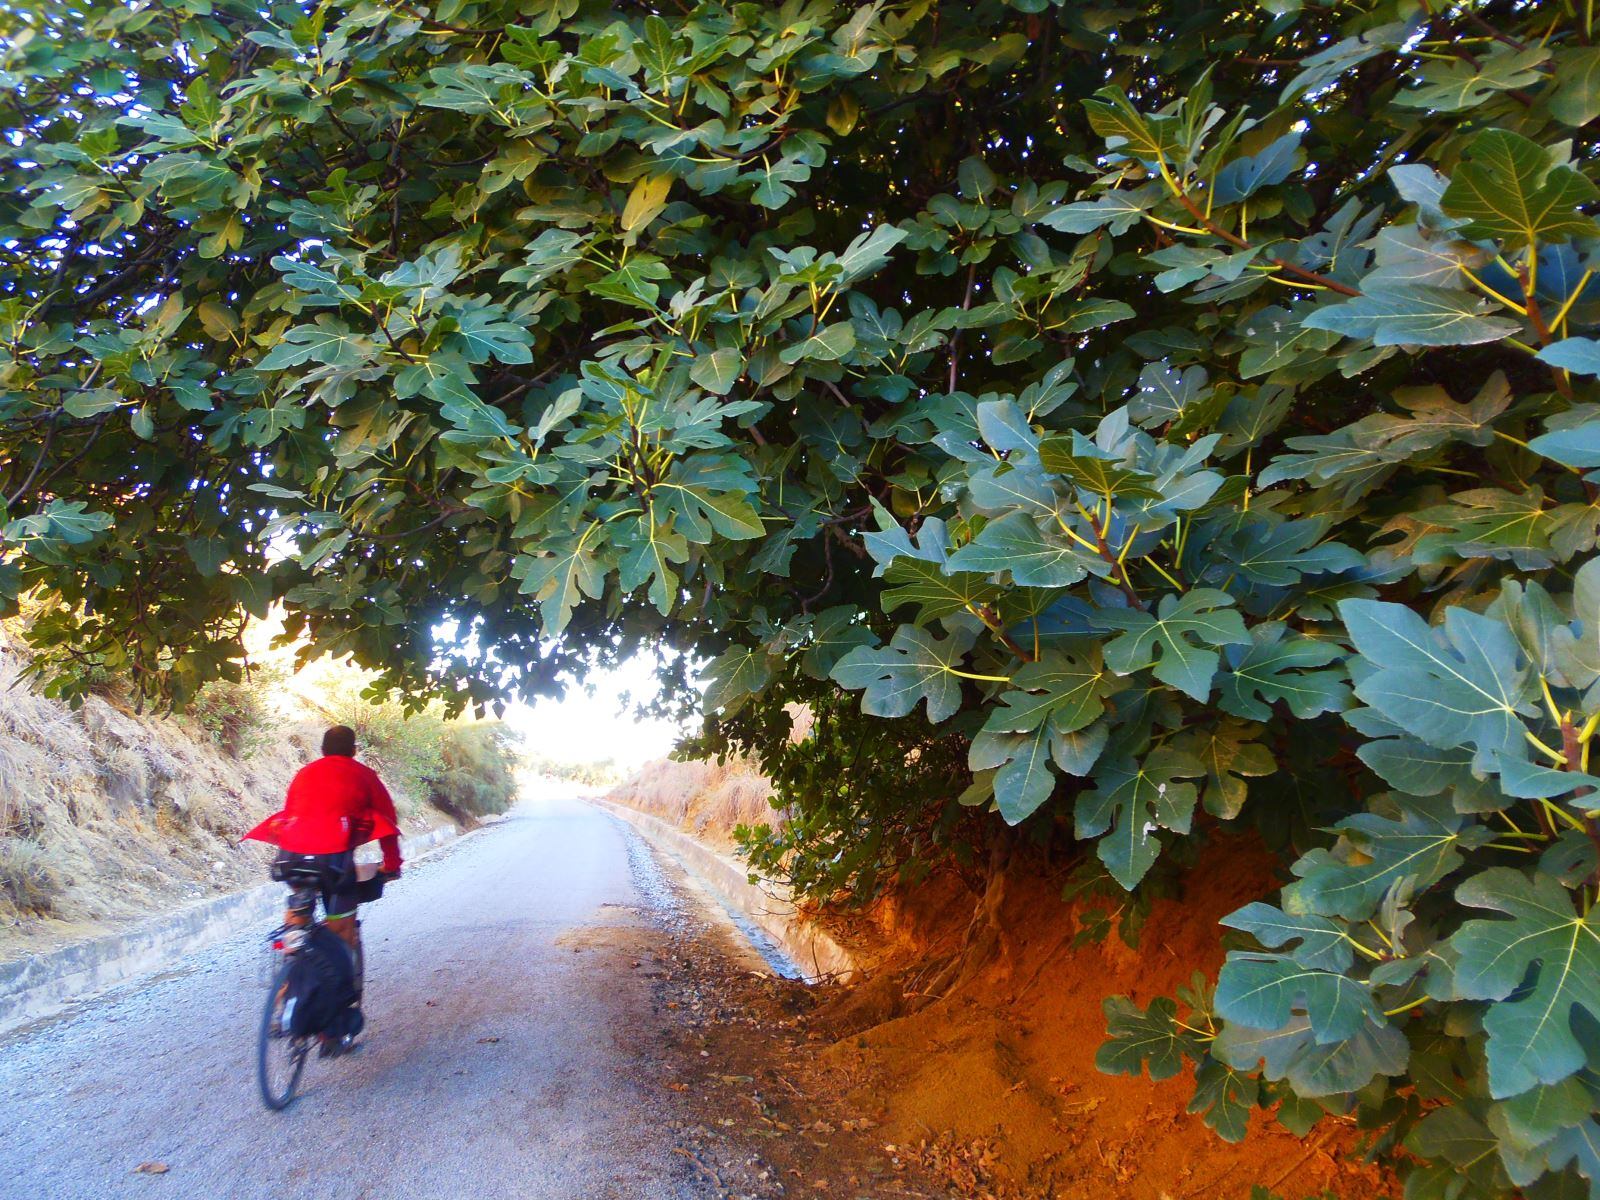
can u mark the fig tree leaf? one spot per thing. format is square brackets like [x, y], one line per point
[1404, 314]
[1544, 951]
[733, 677]
[1179, 639]
[1467, 683]
[915, 667]
[1278, 666]
[1579, 355]
[1131, 802]
[1507, 188]
[1034, 557]
[1265, 991]
[1144, 1039]
[1323, 944]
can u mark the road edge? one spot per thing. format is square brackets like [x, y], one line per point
[41, 985]
[766, 906]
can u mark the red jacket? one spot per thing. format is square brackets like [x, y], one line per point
[334, 804]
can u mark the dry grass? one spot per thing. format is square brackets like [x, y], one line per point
[706, 799]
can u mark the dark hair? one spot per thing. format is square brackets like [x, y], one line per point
[340, 740]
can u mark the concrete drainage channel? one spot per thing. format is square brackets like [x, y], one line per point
[812, 951]
[40, 986]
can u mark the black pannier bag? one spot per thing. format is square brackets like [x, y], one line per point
[322, 988]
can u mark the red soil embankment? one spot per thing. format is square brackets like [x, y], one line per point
[988, 1066]
[971, 1041]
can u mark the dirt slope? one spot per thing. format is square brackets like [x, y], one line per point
[971, 1043]
[988, 1065]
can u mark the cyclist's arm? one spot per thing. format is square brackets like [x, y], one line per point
[383, 805]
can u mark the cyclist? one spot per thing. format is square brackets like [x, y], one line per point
[334, 805]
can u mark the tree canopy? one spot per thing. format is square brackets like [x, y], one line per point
[1173, 414]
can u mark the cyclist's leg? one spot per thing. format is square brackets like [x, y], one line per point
[341, 907]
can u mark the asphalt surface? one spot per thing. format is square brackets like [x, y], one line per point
[510, 1048]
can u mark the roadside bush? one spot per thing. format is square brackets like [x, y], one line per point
[477, 777]
[25, 876]
[235, 715]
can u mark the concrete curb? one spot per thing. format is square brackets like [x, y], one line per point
[36, 987]
[768, 907]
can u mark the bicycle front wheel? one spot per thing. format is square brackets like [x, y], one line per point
[279, 1057]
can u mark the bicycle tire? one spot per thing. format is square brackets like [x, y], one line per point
[269, 1043]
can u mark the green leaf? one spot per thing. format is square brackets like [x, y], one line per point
[1144, 1038]
[868, 254]
[1114, 118]
[483, 333]
[1292, 1053]
[733, 677]
[1578, 355]
[915, 667]
[61, 523]
[1266, 991]
[1323, 944]
[717, 371]
[1248, 174]
[710, 497]
[1102, 476]
[648, 555]
[1119, 211]
[559, 579]
[84, 405]
[1323, 68]
[1023, 780]
[1034, 557]
[828, 344]
[1053, 698]
[1417, 768]
[1467, 82]
[1509, 189]
[207, 553]
[1414, 315]
[1465, 684]
[1230, 755]
[1280, 667]
[1547, 953]
[1080, 316]
[1422, 842]
[1131, 801]
[329, 342]
[935, 592]
[1224, 1098]
[1576, 99]
[1179, 639]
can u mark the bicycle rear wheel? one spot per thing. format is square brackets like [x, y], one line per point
[279, 1057]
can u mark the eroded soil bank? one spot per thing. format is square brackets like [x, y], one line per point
[969, 1047]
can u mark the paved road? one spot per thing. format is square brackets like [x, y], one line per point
[527, 932]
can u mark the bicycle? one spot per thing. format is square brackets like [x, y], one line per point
[281, 1053]
[278, 1079]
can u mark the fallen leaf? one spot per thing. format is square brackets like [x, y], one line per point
[151, 1168]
